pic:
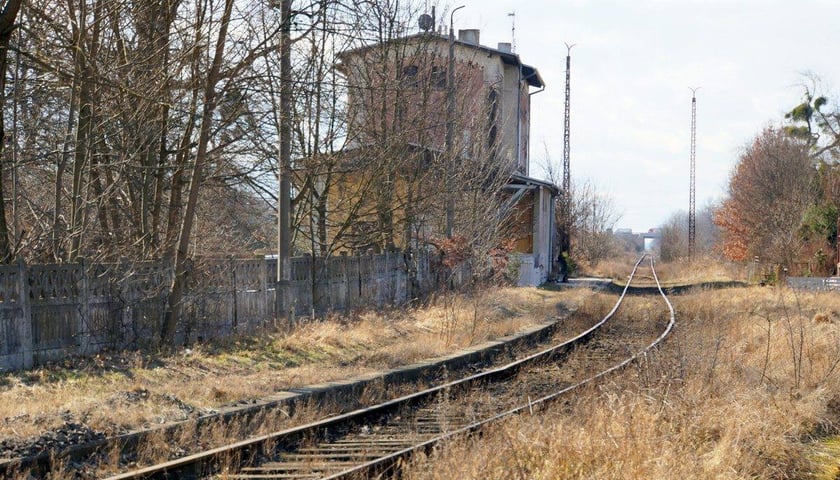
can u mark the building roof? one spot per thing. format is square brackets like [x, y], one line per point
[529, 74]
[516, 179]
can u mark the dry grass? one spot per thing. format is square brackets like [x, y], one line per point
[672, 273]
[127, 391]
[742, 390]
[704, 269]
[615, 268]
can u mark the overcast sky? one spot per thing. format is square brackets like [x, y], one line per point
[631, 71]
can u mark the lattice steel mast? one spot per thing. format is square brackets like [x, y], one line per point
[692, 221]
[566, 200]
[512, 16]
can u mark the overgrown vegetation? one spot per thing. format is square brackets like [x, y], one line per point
[784, 191]
[744, 389]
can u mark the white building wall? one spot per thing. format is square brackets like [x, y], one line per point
[508, 127]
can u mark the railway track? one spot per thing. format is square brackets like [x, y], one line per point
[374, 441]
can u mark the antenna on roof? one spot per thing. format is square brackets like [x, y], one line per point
[512, 31]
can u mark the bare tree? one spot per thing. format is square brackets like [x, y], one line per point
[592, 217]
[673, 243]
[138, 118]
[210, 103]
[7, 27]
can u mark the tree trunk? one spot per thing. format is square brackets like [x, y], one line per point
[177, 291]
[175, 208]
[84, 60]
[7, 27]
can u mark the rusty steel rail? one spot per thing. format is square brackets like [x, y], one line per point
[362, 457]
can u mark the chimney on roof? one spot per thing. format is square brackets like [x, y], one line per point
[470, 36]
[505, 47]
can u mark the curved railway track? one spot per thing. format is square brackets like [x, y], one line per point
[375, 440]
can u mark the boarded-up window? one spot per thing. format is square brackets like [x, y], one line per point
[409, 76]
[437, 78]
[519, 225]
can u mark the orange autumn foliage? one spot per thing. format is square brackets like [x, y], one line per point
[772, 185]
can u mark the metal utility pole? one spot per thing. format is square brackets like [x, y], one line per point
[450, 128]
[692, 221]
[565, 238]
[284, 224]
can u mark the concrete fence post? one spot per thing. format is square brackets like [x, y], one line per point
[233, 318]
[129, 327]
[330, 274]
[83, 319]
[387, 284]
[400, 272]
[25, 320]
[343, 285]
[263, 302]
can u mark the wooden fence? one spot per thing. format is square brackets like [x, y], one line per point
[50, 312]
